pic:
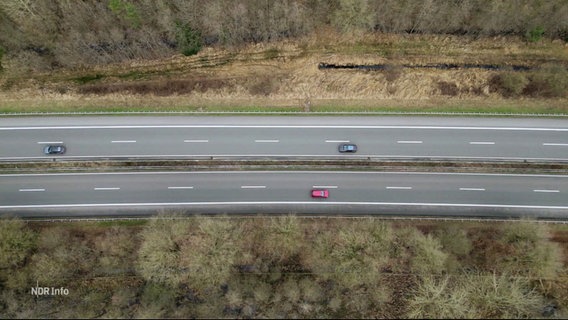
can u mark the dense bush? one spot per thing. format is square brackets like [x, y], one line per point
[188, 39]
[535, 34]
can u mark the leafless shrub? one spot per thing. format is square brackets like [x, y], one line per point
[426, 254]
[352, 256]
[209, 252]
[159, 88]
[116, 250]
[65, 256]
[392, 72]
[280, 242]
[509, 84]
[474, 296]
[530, 253]
[290, 290]
[448, 88]
[16, 242]
[550, 81]
[157, 301]
[159, 252]
[264, 86]
[311, 291]
[454, 240]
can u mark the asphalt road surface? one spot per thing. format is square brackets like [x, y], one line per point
[293, 137]
[83, 194]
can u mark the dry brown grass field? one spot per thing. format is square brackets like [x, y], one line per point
[284, 76]
[284, 267]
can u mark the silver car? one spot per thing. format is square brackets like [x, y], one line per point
[54, 149]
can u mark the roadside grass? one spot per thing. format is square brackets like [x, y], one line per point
[122, 223]
[283, 77]
[428, 48]
[152, 104]
[499, 106]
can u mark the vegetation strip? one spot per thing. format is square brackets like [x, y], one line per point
[173, 266]
[260, 112]
[282, 165]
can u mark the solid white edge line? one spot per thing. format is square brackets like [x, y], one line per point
[253, 187]
[123, 141]
[31, 190]
[409, 141]
[547, 191]
[399, 188]
[179, 188]
[284, 202]
[555, 144]
[324, 187]
[106, 189]
[287, 172]
[472, 189]
[289, 126]
[189, 141]
[482, 142]
[50, 142]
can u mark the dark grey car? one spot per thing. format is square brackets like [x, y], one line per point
[54, 150]
[347, 147]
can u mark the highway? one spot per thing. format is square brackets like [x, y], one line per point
[428, 194]
[285, 137]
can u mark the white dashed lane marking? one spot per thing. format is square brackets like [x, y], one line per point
[482, 142]
[123, 141]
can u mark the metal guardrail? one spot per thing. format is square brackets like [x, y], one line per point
[242, 159]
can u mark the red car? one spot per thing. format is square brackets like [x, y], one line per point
[316, 193]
